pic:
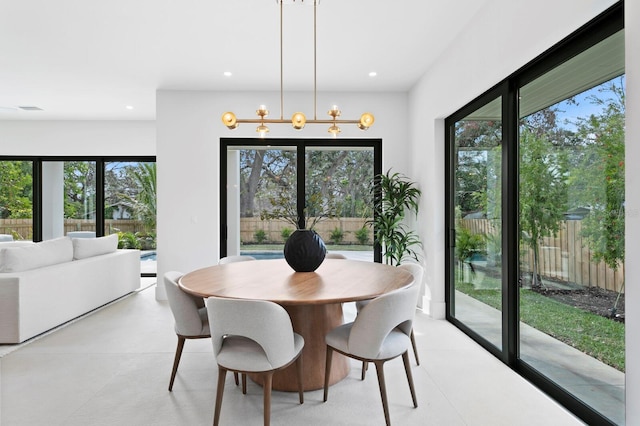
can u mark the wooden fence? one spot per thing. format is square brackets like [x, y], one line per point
[22, 229]
[273, 229]
[565, 257]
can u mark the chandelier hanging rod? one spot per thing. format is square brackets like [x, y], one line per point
[298, 120]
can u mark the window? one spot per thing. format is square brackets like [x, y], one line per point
[45, 198]
[16, 199]
[536, 211]
[476, 270]
[318, 177]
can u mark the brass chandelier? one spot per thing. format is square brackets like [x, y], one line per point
[298, 119]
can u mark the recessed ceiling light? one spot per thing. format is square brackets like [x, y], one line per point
[373, 74]
[129, 107]
[227, 74]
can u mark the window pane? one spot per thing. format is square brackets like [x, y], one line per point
[572, 233]
[262, 198]
[338, 184]
[477, 199]
[130, 208]
[267, 184]
[79, 197]
[16, 200]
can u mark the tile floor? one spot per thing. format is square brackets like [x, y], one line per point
[112, 367]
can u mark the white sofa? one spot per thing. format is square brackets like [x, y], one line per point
[43, 285]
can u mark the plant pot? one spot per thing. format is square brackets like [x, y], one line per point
[304, 250]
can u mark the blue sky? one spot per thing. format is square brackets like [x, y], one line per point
[583, 107]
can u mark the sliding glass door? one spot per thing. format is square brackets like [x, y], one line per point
[46, 198]
[79, 186]
[16, 200]
[476, 297]
[325, 183]
[536, 220]
[130, 208]
[571, 216]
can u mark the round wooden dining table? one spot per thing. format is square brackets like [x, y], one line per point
[312, 299]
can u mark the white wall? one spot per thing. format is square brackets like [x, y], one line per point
[486, 53]
[50, 138]
[189, 128]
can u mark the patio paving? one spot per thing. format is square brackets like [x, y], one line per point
[597, 384]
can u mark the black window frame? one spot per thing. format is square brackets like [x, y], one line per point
[606, 24]
[300, 144]
[100, 169]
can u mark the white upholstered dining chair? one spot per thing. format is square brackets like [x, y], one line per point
[235, 258]
[190, 315]
[418, 272]
[253, 337]
[379, 333]
[335, 256]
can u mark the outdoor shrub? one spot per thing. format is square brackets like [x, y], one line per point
[127, 240]
[260, 236]
[468, 244]
[362, 235]
[146, 241]
[336, 236]
[285, 233]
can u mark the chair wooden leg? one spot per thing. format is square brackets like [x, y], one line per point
[244, 384]
[299, 368]
[415, 349]
[235, 377]
[365, 367]
[383, 390]
[327, 372]
[268, 380]
[176, 361]
[222, 374]
[407, 368]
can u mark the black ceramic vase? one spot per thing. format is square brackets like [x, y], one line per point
[304, 250]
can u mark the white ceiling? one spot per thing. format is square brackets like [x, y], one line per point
[88, 59]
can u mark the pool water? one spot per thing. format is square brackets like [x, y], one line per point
[151, 255]
[273, 254]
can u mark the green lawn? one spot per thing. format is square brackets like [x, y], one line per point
[599, 337]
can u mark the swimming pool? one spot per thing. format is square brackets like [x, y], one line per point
[149, 255]
[267, 254]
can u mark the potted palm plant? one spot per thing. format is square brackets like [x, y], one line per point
[395, 196]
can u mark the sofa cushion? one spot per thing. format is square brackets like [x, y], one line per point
[16, 243]
[33, 256]
[89, 247]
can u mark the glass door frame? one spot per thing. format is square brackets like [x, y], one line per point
[301, 145]
[603, 26]
[100, 189]
[509, 167]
